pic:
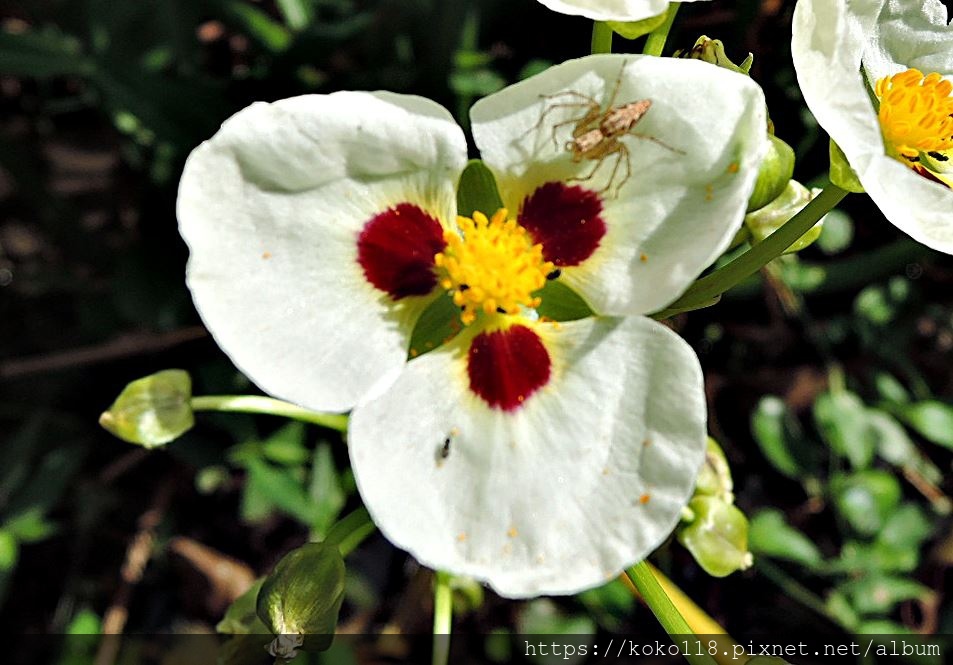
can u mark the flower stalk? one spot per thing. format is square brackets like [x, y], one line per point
[601, 37]
[707, 289]
[442, 618]
[655, 42]
[268, 406]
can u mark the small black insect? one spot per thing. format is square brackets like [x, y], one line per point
[445, 450]
[554, 274]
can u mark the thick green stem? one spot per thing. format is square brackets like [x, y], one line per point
[655, 42]
[351, 530]
[664, 610]
[269, 406]
[601, 37]
[707, 289]
[442, 618]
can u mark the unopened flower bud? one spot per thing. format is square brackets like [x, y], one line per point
[713, 51]
[775, 171]
[762, 223]
[717, 537]
[153, 410]
[715, 477]
[299, 602]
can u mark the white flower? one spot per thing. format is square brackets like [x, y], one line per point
[610, 10]
[540, 456]
[877, 74]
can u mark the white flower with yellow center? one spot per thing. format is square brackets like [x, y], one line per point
[611, 10]
[878, 74]
[542, 457]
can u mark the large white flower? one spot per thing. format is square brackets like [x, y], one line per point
[540, 456]
[610, 10]
[878, 74]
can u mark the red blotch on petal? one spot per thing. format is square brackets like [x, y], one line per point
[396, 250]
[507, 366]
[565, 220]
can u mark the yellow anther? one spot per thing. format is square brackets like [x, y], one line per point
[916, 113]
[491, 266]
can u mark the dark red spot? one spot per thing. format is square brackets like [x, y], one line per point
[565, 220]
[507, 366]
[396, 250]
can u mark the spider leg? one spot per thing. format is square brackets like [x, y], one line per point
[623, 156]
[595, 168]
[553, 107]
[618, 82]
[657, 141]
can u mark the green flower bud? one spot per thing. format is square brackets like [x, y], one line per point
[635, 29]
[775, 171]
[717, 537]
[767, 220]
[841, 173]
[713, 51]
[153, 410]
[299, 602]
[715, 477]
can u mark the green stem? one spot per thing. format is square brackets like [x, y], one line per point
[663, 609]
[708, 288]
[351, 530]
[601, 37]
[270, 406]
[442, 618]
[655, 42]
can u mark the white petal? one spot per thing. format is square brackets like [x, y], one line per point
[588, 476]
[271, 208]
[713, 121]
[830, 40]
[610, 10]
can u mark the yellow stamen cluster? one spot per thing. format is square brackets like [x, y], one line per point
[491, 266]
[916, 113]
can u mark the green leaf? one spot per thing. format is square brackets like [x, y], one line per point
[769, 427]
[302, 598]
[241, 617]
[841, 172]
[153, 410]
[717, 536]
[895, 446]
[30, 526]
[477, 190]
[838, 232]
[859, 558]
[476, 83]
[9, 551]
[256, 24]
[890, 388]
[774, 174]
[932, 419]
[286, 445]
[608, 604]
[770, 535]
[298, 14]
[281, 488]
[878, 594]
[543, 617]
[907, 528]
[42, 54]
[326, 492]
[841, 418]
[866, 499]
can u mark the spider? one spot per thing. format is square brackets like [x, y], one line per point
[597, 134]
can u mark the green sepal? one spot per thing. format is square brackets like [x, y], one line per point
[241, 617]
[636, 29]
[715, 477]
[841, 173]
[438, 324]
[713, 51]
[768, 219]
[300, 600]
[717, 536]
[561, 303]
[477, 190]
[153, 410]
[775, 172]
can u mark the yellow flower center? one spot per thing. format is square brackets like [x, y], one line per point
[492, 266]
[916, 113]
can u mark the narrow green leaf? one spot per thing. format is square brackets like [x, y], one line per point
[841, 418]
[326, 492]
[932, 419]
[769, 430]
[42, 54]
[770, 535]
